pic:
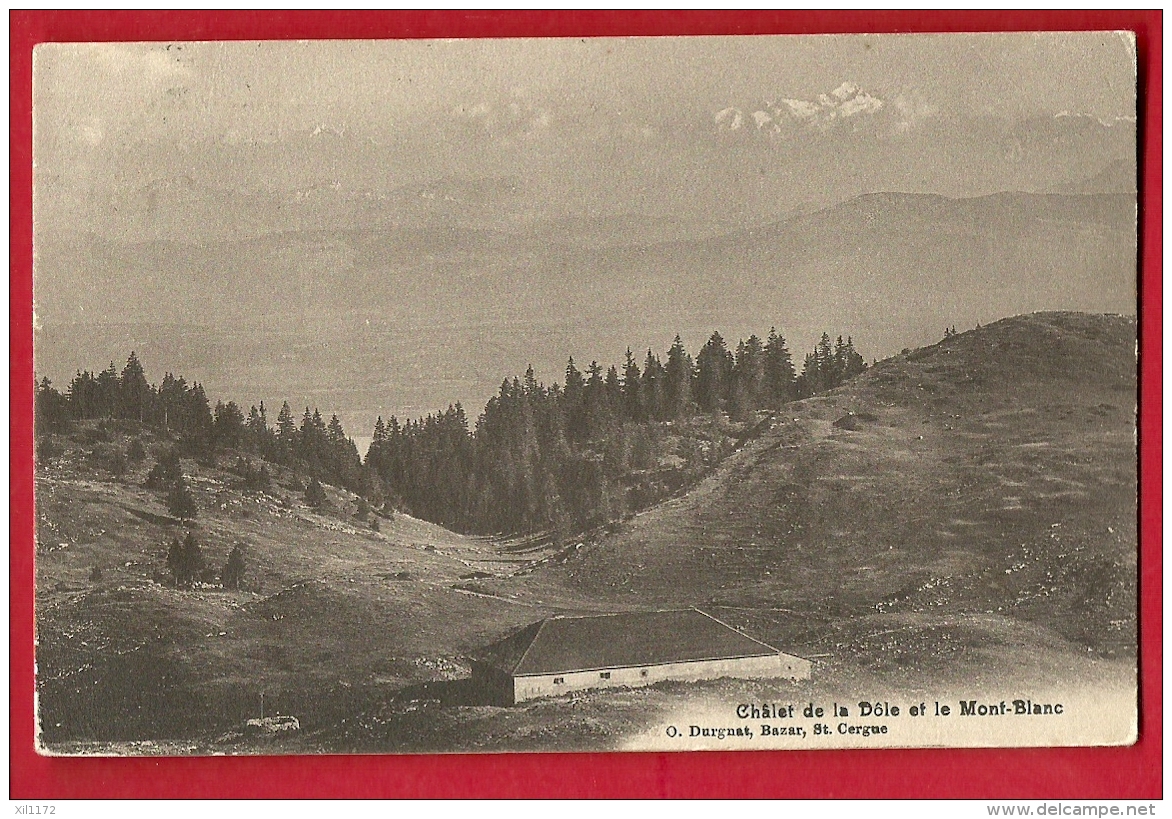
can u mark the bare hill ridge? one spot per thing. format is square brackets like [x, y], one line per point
[993, 472]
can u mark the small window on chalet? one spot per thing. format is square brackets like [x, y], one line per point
[558, 680]
[605, 675]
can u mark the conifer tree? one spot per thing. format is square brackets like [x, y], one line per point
[654, 383]
[193, 563]
[678, 386]
[232, 574]
[198, 437]
[79, 395]
[335, 434]
[166, 471]
[595, 401]
[228, 422]
[257, 429]
[823, 354]
[107, 392]
[134, 391]
[714, 366]
[185, 560]
[632, 390]
[574, 382]
[852, 362]
[180, 501]
[573, 397]
[837, 364]
[778, 376]
[315, 495]
[51, 410]
[810, 381]
[614, 388]
[286, 428]
[748, 378]
[532, 390]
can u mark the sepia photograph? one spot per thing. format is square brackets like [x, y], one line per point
[681, 393]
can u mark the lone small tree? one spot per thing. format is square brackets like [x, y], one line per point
[185, 560]
[115, 462]
[136, 452]
[192, 559]
[314, 494]
[180, 502]
[175, 560]
[165, 471]
[233, 572]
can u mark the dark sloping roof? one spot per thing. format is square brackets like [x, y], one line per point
[620, 640]
[507, 653]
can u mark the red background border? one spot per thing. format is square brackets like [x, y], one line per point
[1133, 772]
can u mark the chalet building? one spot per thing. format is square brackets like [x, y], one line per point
[561, 654]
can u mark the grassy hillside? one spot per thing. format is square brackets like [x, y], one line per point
[329, 610]
[961, 512]
[991, 473]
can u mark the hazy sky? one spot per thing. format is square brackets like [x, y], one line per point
[456, 183]
[92, 100]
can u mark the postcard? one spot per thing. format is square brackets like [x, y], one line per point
[605, 394]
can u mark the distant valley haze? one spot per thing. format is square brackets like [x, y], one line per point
[385, 228]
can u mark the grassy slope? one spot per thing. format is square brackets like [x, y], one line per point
[993, 472]
[977, 524]
[332, 608]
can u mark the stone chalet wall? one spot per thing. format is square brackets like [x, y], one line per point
[772, 665]
[490, 685]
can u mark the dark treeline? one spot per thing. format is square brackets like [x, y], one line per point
[562, 458]
[567, 458]
[313, 446]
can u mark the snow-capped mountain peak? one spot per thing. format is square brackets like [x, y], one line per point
[761, 118]
[822, 112]
[802, 109]
[729, 119]
[846, 91]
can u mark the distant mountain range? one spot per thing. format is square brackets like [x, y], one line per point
[848, 104]
[429, 314]
[523, 231]
[1055, 250]
[511, 165]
